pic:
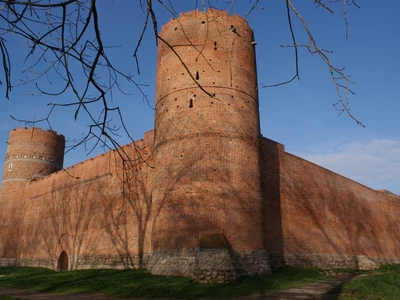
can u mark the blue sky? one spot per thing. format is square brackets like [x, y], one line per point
[299, 115]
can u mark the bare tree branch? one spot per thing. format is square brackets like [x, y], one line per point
[64, 42]
[340, 79]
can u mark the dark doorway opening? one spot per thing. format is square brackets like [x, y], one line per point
[62, 262]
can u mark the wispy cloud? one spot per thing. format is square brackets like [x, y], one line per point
[375, 163]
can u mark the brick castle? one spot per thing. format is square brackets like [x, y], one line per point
[203, 195]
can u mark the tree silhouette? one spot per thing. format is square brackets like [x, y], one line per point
[64, 40]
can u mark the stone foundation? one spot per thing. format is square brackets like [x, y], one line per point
[172, 262]
[209, 265]
[276, 260]
[123, 261]
[41, 263]
[251, 262]
[326, 261]
[214, 266]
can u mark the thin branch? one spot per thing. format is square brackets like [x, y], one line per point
[296, 54]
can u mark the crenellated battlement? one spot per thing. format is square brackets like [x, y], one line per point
[210, 15]
[32, 153]
[138, 151]
[38, 130]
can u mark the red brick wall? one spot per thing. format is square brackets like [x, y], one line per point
[272, 155]
[325, 213]
[94, 211]
[31, 153]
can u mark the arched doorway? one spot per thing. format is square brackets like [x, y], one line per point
[62, 262]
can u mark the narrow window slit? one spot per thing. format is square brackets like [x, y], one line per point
[191, 103]
[197, 75]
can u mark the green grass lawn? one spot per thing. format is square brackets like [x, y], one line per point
[383, 283]
[140, 283]
[377, 284]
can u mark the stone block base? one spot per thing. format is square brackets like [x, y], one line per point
[115, 261]
[209, 265]
[214, 266]
[41, 263]
[327, 261]
[172, 262]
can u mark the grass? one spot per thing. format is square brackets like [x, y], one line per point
[9, 298]
[140, 283]
[383, 283]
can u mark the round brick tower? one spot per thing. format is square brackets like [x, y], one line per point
[31, 154]
[206, 184]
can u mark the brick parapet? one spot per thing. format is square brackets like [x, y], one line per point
[32, 153]
[206, 16]
[138, 151]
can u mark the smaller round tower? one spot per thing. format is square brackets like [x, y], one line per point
[31, 153]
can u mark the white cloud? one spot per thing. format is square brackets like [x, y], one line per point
[375, 163]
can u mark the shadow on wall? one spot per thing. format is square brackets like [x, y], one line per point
[332, 221]
[96, 222]
[306, 215]
[209, 187]
[11, 215]
[186, 208]
[271, 168]
[132, 217]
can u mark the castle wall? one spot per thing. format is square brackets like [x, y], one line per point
[31, 153]
[96, 211]
[217, 198]
[331, 221]
[272, 170]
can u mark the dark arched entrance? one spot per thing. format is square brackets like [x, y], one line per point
[62, 262]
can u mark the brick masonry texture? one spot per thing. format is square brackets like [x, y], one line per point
[206, 137]
[204, 195]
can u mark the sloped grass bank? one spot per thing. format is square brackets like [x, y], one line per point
[383, 283]
[140, 283]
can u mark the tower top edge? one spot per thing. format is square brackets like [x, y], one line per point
[23, 130]
[211, 12]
